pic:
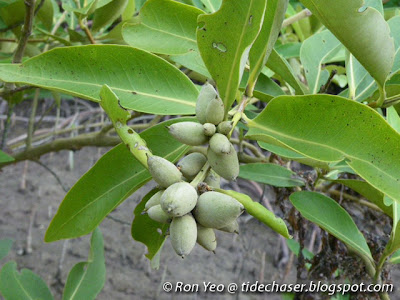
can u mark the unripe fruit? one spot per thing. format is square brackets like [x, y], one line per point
[207, 93]
[217, 210]
[224, 127]
[179, 199]
[163, 171]
[191, 164]
[219, 143]
[206, 238]
[154, 200]
[157, 214]
[215, 111]
[183, 234]
[225, 165]
[209, 129]
[213, 179]
[231, 227]
[189, 133]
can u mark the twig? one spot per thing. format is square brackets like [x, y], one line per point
[305, 13]
[118, 221]
[16, 90]
[87, 32]
[26, 30]
[75, 143]
[52, 173]
[31, 123]
[10, 111]
[29, 41]
[355, 199]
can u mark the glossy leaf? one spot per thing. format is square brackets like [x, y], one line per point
[269, 174]
[364, 33]
[259, 212]
[4, 157]
[142, 81]
[292, 155]
[330, 128]
[5, 247]
[164, 27]
[108, 183]
[395, 259]
[394, 24]
[315, 51]
[212, 5]
[330, 216]
[224, 39]
[148, 231]
[86, 279]
[360, 82]
[264, 43]
[107, 14]
[22, 286]
[281, 67]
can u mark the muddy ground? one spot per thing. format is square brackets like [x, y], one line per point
[25, 214]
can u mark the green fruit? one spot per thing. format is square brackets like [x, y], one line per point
[225, 127]
[157, 214]
[207, 93]
[191, 164]
[179, 199]
[183, 234]
[219, 143]
[217, 210]
[209, 129]
[206, 238]
[231, 227]
[225, 165]
[154, 200]
[189, 133]
[163, 171]
[213, 179]
[215, 111]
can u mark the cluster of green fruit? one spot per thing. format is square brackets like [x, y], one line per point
[194, 209]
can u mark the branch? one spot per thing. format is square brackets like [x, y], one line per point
[74, 143]
[305, 13]
[26, 30]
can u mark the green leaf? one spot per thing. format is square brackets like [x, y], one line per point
[394, 24]
[294, 246]
[330, 216]
[224, 39]
[368, 191]
[22, 286]
[212, 5]
[361, 84]
[364, 33]
[83, 11]
[395, 259]
[147, 231]
[129, 10]
[330, 128]
[259, 212]
[164, 27]
[269, 174]
[264, 43]
[266, 89]
[108, 183]
[86, 279]
[107, 14]
[142, 81]
[281, 67]
[45, 14]
[292, 155]
[289, 50]
[5, 247]
[4, 157]
[315, 51]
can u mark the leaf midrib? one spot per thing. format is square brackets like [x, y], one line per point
[255, 125]
[188, 103]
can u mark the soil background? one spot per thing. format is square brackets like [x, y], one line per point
[254, 255]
